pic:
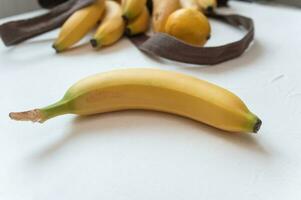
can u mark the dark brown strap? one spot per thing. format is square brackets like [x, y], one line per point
[171, 48]
[18, 31]
[50, 3]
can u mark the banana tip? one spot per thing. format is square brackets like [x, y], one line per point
[56, 48]
[94, 43]
[128, 32]
[210, 9]
[125, 18]
[257, 125]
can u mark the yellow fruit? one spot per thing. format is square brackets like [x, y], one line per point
[78, 25]
[189, 4]
[161, 11]
[132, 8]
[139, 24]
[111, 28]
[151, 89]
[189, 25]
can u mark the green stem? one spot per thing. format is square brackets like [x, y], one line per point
[59, 108]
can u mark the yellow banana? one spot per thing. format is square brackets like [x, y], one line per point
[78, 25]
[189, 25]
[189, 4]
[132, 8]
[207, 5]
[139, 24]
[111, 28]
[161, 11]
[151, 89]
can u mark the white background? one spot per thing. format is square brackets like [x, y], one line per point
[10, 7]
[147, 155]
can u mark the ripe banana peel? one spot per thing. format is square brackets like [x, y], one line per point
[151, 89]
[78, 25]
[161, 11]
[189, 4]
[139, 24]
[111, 28]
[132, 8]
[202, 5]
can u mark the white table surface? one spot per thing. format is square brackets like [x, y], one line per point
[147, 155]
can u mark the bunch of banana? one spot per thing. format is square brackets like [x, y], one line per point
[151, 89]
[115, 17]
[182, 19]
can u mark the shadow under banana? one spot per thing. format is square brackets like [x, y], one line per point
[100, 124]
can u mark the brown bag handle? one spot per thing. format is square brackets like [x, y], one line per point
[168, 47]
[18, 31]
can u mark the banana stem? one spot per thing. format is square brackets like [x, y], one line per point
[32, 115]
[59, 108]
[43, 114]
